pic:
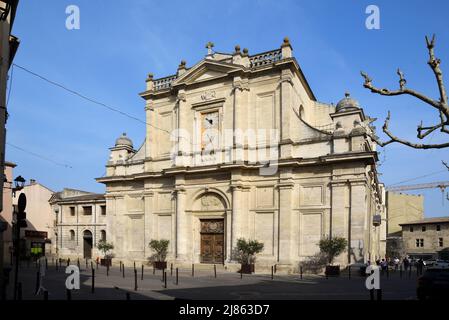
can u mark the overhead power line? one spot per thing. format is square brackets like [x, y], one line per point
[416, 178]
[39, 156]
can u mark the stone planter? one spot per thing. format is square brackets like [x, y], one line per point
[106, 262]
[332, 270]
[161, 265]
[247, 268]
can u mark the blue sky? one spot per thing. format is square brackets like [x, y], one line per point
[120, 42]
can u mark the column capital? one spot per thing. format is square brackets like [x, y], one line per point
[179, 190]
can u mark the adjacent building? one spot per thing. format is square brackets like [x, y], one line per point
[426, 238]
[37, 237]
[80, 222]
[6, 215]
[8, 48]
[402, 208]
[238, 145]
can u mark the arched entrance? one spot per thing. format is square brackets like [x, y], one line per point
[210, 211]
[87, 244]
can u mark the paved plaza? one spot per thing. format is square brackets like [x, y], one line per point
[203, 285]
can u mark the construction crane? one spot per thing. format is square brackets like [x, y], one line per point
[442, 185]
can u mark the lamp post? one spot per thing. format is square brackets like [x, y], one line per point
[19, 183]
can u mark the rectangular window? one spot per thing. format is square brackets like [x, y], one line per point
[440, 242]
[103, 210]
[421, 242]
[423, 228]
[411, 229]
[438, 227]
[87, 211]
[72, 211]
[417, 243]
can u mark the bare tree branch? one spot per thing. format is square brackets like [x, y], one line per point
[445, 164]
[441, 105]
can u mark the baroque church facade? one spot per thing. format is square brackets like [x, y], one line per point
[238, 146]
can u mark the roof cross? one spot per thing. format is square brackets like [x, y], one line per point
[209, 47]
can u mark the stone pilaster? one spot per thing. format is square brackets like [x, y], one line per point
[358, 221]
[286, 113]
[148, 221]
[285, 189]
[183, 139]
[181, 220]
[237, 214]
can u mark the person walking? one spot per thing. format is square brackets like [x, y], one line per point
[406, 263]
[396, 263]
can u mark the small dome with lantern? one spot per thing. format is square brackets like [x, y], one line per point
[347, 104]
[123, 140]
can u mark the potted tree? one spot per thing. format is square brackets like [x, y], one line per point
[331, 248]
[246, 253]
[161, 248]
[105, 247]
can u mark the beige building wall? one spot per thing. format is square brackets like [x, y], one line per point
[8, 47]
[403, 208]
[79, 214]
[39, 214]
[426, 237]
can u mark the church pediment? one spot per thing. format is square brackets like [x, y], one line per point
[207, 70]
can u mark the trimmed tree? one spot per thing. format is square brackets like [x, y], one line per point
[332, 247]
[160, 247]
[105, 247]
[247, 250]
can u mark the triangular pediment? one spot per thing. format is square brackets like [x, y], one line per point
[207, 70]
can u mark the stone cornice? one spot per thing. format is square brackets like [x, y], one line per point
[370, 157]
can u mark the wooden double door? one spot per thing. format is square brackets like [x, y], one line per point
[212, 241]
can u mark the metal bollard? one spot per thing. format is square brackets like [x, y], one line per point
[46, 264]
[38, 280]
[165, 279]
[275, 268]
[177, 276]
[135, 279]
[241, 273]
[141, 277]
[86, 263]
[68, 262]
[193, 270]
[93, 280]
[154, 269]
[349, 272]
[215, 271]
[171, 269]
[123, 271]
[107, 270]
[300, 272]
[78, 263]
[272, 272]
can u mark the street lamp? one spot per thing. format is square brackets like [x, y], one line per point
[19, 183]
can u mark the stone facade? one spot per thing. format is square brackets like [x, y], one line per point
[426, 237]
[241, 140]
[402, 208]
[80, 223]
[8, 47]
[40, 219]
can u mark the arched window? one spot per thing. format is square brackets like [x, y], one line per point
[72, 235]
[301, 112]
[103, 235]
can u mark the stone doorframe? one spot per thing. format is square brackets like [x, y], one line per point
[216, 210]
